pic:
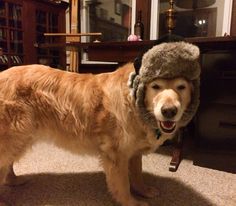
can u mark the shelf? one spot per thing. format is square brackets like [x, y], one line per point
[3, 67]
[3, 27]
[40, 24]
[15, 29]
[14, 54]
[20, 42]
[15, 19]
[3, 22]
[12, 59]
[48, 56]
[3, 64]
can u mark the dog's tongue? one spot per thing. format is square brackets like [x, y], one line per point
[168, 124]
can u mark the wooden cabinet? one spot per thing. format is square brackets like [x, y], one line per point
[11, 34]
[22, 24]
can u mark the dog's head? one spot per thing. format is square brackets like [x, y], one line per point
[167, 100]
[166, 89]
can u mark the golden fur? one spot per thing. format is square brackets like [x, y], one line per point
[84, 113]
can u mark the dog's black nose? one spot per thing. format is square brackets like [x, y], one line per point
[169, 112]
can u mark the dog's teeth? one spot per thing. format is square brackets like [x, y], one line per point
[168, 125]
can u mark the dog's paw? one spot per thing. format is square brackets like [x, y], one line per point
[146, 191]
[16, 181]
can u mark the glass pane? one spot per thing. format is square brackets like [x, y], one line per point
[3, 45]
[16, 48]
[53, 20]
[194, 18]
[16, 35]
[2, 9]
[15, 16]
[110, 17]
[41, 25]
[41, 17]
[2, 21]
[3, 34]
[53, 26]
[15, 11]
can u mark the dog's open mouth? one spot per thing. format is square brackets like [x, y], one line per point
[167, 126]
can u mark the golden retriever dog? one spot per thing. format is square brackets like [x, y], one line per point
[92, 114]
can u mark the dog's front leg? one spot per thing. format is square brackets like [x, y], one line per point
[8, 177]
[136, 179]
[118, 181]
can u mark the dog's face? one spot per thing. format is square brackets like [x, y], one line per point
[167, 99]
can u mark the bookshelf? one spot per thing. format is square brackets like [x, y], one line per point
[22, 25]
[11, 34]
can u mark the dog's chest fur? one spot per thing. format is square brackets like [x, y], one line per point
[82, 113]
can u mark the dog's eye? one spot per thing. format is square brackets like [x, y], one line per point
[156, 86]
[181, 87]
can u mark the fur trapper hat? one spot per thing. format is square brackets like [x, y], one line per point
[167, 60]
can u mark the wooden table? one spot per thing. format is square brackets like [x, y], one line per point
[126, 51]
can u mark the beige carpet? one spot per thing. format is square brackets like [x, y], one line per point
[58, 178]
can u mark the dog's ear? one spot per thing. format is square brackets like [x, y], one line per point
[191, 88]
[138, 63]
[165, 38]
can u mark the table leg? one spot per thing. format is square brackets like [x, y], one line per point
[177, 153]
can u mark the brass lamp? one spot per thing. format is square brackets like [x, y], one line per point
[171, 17]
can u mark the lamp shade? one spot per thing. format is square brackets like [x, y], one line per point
[193, 4]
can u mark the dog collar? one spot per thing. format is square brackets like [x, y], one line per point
[158, 133]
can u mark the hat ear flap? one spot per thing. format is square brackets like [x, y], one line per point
[137, 64]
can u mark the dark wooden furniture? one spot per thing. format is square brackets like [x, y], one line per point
[123, 52]
[22, 24]
[127, 51]
[215, 122]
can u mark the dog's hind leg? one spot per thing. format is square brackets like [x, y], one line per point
[3, 175]
[17, 129]
[118, 181]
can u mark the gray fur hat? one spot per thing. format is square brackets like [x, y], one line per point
[167, 60]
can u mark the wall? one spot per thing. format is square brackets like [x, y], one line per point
[233, 23]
